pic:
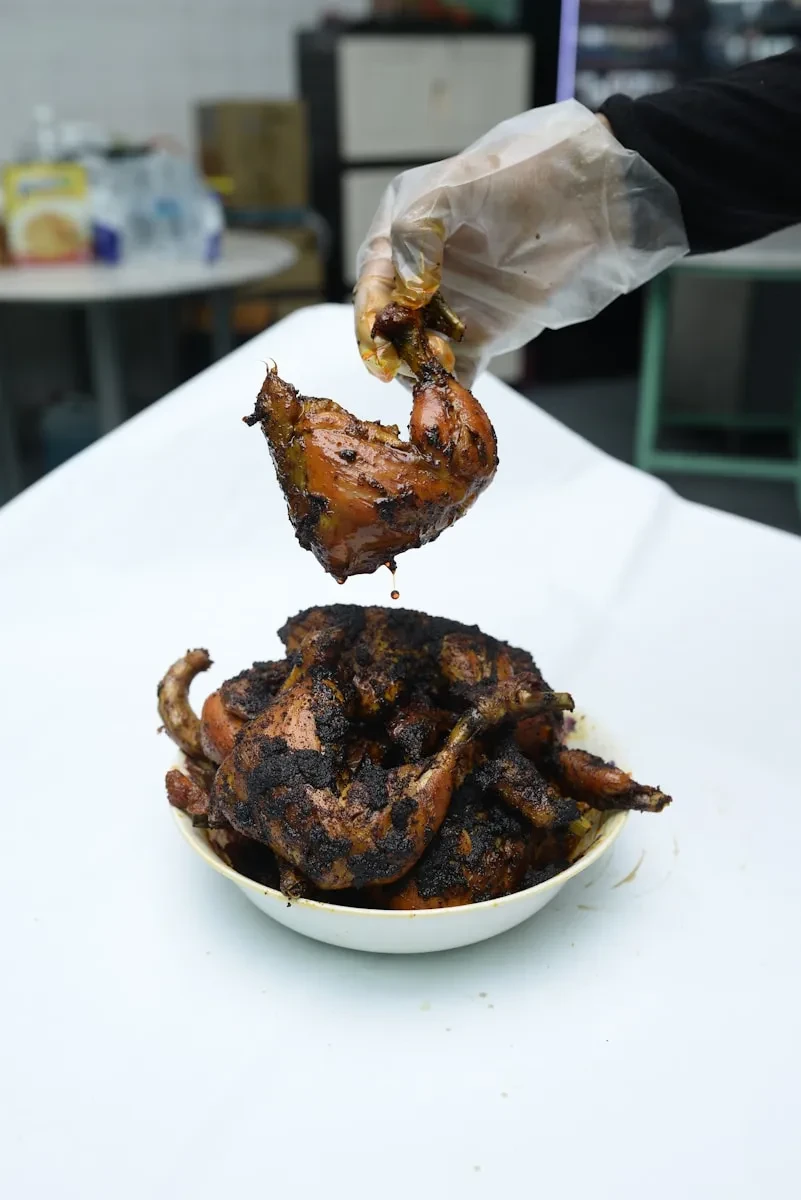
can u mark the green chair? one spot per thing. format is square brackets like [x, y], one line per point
[775, 259]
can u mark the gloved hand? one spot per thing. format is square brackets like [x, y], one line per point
[541, 223]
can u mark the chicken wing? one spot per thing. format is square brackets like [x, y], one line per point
[179, 719]
[602, 785]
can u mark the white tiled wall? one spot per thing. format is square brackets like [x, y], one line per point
[138, 66]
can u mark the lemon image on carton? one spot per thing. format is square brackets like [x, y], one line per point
[47, 213]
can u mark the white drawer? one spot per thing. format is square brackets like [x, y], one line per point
[422, 98]
[361, 191]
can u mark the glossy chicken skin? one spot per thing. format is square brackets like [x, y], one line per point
[184, 793]
[358, 494]
[218, 728]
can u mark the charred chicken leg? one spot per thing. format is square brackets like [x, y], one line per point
[278, 785]
[358, 494]
[602, 785]
[482, 851]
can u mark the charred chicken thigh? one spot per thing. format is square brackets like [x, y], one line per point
[358, 494]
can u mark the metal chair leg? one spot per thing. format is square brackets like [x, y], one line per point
[107, 379]
[654, 345]
[796, 435]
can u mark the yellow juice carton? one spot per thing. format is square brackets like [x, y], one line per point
[47, 213]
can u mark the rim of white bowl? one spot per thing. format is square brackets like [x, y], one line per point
[610, 830]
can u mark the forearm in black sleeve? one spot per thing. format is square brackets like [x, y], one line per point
[731, 147]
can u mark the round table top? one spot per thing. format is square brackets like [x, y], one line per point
[164, 1039]
[245, 258]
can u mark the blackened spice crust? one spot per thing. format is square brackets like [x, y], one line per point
[346, 768]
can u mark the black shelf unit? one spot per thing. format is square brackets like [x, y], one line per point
[319, 85]
[698, 38]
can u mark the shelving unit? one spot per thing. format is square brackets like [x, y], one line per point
[382, 99]
[638, 47]
[643, 46]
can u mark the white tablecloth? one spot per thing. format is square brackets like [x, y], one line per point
[163, 1039]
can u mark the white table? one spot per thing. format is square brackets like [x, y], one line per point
[98, 288]
[163, 1039]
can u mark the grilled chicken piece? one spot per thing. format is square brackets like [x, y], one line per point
[251, 859]
[470, 658]
[418, 728]
[391, 653]
[218, 728]
[358, 494]
[392, 758]
[482, 851]
[207, 739]
[602, 785]
[290, 881]
[184, 793]
[179, 719]
[279, 784]
[517, 781]
[249, 693]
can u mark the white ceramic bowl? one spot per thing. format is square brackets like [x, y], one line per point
[384, 932]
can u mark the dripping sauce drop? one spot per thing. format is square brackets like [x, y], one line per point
[392, 567]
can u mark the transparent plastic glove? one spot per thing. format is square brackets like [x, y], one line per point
[540, 224]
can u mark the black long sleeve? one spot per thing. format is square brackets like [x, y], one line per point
[730, 146]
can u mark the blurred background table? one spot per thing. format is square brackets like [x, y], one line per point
[99, 290]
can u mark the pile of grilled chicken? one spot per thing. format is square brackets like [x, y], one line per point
[357, 493]
[391, 759]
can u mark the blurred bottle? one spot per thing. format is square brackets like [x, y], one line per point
[45, 135]
[147, 202]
